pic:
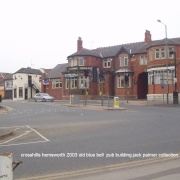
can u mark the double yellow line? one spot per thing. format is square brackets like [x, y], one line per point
[103, 169]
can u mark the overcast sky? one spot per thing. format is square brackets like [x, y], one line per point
[42, 33]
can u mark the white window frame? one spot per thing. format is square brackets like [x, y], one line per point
[123, 60]
[107, 63]
[73, 62]
[67, 83]
[160, 53]
[81, 61]
[143, 60]
[56, 84]
[83, 82]
[121, 82]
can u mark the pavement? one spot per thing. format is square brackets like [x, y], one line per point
[162, 170]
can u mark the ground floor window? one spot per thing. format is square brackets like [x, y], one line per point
[83, 82]
[121, 82]
[20, 92]
[161, 77]
[56, 83]
[80, 83]
[71, 83]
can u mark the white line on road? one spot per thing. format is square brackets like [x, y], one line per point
[23, 143]
[15, 137]
[37, 133]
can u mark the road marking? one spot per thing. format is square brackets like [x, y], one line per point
[91, 171]
[16, 137]
[12, 127]
[23, 143]
[37, 133]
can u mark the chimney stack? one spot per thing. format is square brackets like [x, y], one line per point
[79, 44]
[147, 36]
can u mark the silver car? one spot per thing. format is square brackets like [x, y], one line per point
[43, 97]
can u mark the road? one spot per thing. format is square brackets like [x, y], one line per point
[51, 137]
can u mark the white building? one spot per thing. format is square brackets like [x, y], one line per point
[26, 83]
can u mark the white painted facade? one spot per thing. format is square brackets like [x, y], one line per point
[21, 88]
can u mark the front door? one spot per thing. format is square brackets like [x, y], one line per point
[26, 93]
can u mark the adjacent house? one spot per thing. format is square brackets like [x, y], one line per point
[53, 81]
[26, 83]
[6, 85]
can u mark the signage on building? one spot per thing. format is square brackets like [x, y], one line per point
[46, 82]
[79, 68]
[71, 75]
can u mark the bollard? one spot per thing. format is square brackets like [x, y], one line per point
[116, 102]
[6, 167]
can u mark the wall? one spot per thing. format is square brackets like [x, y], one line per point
[21, 80]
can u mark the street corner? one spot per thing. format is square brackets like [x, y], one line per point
[4, 133]
[18, 135]
[4, 109]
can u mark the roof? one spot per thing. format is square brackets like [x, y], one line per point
[57, 71]
[173, 41]
[86, 52]
[28, 70]
[7, 76]
[131, 48]
[112, 51]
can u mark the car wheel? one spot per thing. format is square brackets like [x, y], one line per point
[35, 99]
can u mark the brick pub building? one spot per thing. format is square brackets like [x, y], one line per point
[138, 70]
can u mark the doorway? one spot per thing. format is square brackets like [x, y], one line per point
[142, 85]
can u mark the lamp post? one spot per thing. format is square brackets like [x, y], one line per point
[166, 60]
[175, 92]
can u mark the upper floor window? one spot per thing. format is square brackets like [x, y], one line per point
[81, 61]
[123, 61]
[77, 62]
[143, 60]
[73, 62]
[107, 63]
[8, 84]
[159, 53]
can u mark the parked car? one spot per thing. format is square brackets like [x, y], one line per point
[43, 97]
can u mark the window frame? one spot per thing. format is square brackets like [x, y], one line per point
[107, 63]
[56, 84]
[121, 82]
[124, 60]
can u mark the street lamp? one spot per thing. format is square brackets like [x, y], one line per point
[166, 60]
[175, 92]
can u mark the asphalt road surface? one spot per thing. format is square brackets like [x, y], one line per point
[51, 138]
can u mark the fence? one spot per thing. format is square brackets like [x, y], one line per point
[107, 101]
[163, 99]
